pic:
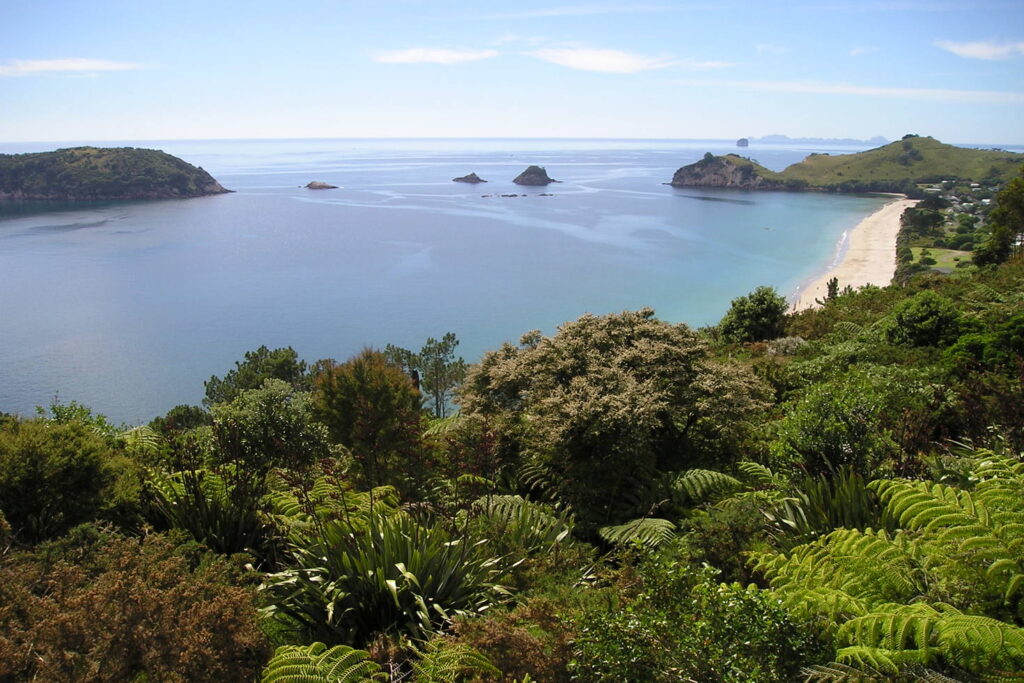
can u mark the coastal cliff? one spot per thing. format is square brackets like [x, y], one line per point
[101, 173]
[730, 171]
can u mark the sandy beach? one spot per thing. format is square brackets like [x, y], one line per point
[869, 258]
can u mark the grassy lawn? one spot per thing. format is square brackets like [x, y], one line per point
[945, 258]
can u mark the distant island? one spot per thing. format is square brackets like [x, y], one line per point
[320, 185]
[743, 142]
[471, 178]
[895, 167]
[534, 175]
[101, 173]
[784, 139]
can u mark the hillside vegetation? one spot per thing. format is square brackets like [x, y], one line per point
[94, 173]
[830, 495]
[917, 159]
[897, 167]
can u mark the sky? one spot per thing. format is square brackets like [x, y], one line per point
[130, 70]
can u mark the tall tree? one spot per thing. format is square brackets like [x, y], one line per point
[1007, 221]
[250, 373]
[435, 367]
[608, 402]
[370, 406]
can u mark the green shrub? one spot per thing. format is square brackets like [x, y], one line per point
[684, 625]
[757, 316]
[51, 476]
[925, 319]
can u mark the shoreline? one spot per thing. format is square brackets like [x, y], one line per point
[866, 255]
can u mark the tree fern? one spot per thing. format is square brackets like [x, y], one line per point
[983, 527]
[521, 525]
[446, 661]
[892, 636]
[699, 486]
[756, 475]
[217, 508]
[317, 663]
[646, 531]
[328, 509]
[965, 543]
[868, 565]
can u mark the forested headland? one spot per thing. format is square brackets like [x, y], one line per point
[101, 173]
[835, 494]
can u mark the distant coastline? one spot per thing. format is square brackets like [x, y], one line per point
[865, 255]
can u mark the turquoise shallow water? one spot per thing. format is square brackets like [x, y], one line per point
[128, 307]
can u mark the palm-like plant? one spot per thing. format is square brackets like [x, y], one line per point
[396, 576]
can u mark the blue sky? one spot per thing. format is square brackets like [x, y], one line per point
[131, 70]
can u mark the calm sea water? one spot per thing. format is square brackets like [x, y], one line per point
[128, 307]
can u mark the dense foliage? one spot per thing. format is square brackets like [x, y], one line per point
[89, 173]
[827, 495]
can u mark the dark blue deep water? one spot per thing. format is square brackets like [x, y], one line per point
[127, 307]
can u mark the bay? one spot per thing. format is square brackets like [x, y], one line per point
[128, 307]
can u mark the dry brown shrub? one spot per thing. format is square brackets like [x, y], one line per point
[125, 609]
[531, 639]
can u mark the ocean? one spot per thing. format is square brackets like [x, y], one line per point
[127, 307]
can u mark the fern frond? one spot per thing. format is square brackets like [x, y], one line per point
[317, 663]
[756, 475]
[844, 330]
[647, 531]
[699, 486]
[974, 643]
[446, 661]
[141, 440]
[841, 673]
[524, 524]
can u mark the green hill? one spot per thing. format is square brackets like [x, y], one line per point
[911, 160]
[896, 167]
[96, 173]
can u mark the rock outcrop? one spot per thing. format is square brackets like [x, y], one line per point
[534, 175]
[471, 178]
[743, 142]
[318, 185]
[100, 174]
[729, 171]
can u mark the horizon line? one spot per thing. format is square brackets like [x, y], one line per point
[468, 138]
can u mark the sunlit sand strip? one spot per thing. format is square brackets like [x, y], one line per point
[869, 257]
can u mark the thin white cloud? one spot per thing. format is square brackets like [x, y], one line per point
[29, 67]
[429, 55]
[617, 61]
[770, 49]
[925, 94]
[982, 49]
[861, 50]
